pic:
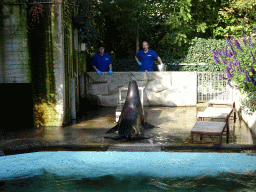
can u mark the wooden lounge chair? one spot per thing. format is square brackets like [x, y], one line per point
[209, 128]
[223, 102]
[215, 113]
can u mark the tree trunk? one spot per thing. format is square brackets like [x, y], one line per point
[137, 39]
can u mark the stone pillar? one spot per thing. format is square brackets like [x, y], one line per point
[58, 56]
[49, 105]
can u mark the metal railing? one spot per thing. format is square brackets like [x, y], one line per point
[211, 86]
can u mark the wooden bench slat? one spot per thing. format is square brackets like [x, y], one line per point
[215, 112]
[208, 128]
[221, 102]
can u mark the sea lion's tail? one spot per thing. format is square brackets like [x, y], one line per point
[112, 130]
[149, 126]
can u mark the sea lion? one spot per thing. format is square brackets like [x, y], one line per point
[131, 122]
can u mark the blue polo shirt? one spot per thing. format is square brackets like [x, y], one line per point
[147, 59]
[102, 62]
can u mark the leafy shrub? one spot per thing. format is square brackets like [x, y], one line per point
[238, 60]
[201, 52]
[248, 105]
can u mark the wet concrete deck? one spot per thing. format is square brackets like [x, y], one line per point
[175, 124]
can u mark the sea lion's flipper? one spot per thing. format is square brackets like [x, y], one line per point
[139, 138]
[129, 138]
[114, 138]
[112, 130]
[149, 126]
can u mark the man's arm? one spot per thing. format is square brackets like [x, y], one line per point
[94, 67]
[137, 59]
[110, 66]
[159, 59]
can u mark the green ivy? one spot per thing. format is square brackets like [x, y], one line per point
[201, 52]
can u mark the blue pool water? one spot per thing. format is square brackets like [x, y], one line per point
[127, 171]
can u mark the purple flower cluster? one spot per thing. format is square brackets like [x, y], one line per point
[252, 77]
[216, 59]
[224, 61]
[252, 70]
[253, 58]
[235, 61]
[246, 75]
[216, 52]
[244, 41]
[228, 41]
[230, 64]
[228, 72]
[229, 75]
[238, 46]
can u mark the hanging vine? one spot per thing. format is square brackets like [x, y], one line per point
[36, 10]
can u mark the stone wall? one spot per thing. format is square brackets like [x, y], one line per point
[42, 54]
[14, 55]
[160, 88]
[250, 120]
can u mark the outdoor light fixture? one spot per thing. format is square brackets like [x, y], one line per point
[83, 47]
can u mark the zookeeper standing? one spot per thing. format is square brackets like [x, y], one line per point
[147, 57]
[102, 62]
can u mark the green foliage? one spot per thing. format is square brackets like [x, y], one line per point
[238, 60]
[248, 105]
[189, 19]
[176, 37]
[67, 19]
[118, 23]
[237, 18]
[201, 52]
[88, 30]
[168, 25]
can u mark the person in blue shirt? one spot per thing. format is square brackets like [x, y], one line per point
[147, 57]
[102, 62]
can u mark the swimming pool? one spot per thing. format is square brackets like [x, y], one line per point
[127, 171]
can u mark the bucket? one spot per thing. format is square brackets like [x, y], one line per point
[161, 67]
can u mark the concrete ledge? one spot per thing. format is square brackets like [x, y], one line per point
[135, 148]
[250, 149]
[161, 88]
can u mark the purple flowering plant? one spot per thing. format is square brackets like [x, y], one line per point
[238, 61]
